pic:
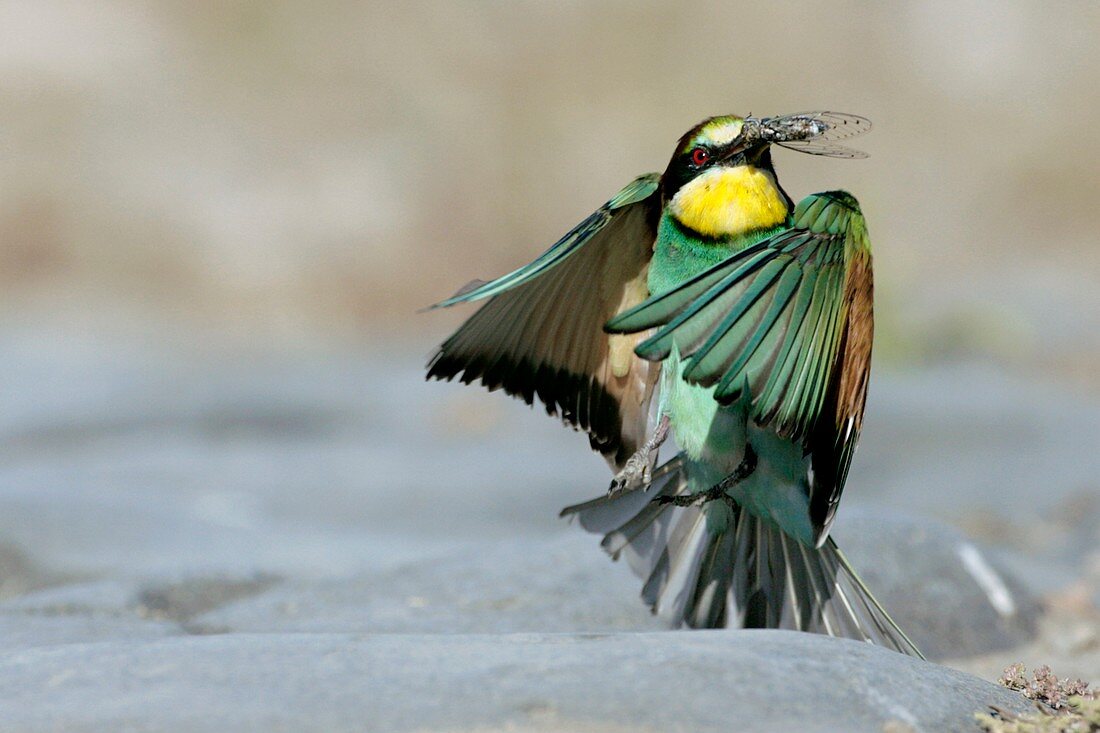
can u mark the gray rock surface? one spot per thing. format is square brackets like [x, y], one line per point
[187, 531]
[671, 681]
[563, 583]
[952, 597]
[560, 584]
[940, 587]
[124, 458]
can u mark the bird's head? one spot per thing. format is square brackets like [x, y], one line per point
[721, 181]
[718, 142]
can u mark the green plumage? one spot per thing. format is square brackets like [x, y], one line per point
[766, 318]
[757, 346]
[637, 190]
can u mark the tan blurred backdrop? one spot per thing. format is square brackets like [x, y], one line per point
[313, 171]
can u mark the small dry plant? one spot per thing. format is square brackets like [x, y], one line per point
[1062, 705]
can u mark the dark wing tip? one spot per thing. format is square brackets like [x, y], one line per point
[442, 367]
[578, 399]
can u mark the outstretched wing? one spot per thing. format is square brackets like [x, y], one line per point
[789, 320]
[541, 333]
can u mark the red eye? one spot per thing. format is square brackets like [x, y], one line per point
[700, 156]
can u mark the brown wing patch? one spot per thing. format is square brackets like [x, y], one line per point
[545, 339]
[836, 434]
[859, 333]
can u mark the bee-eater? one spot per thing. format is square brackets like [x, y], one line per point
[748, 321]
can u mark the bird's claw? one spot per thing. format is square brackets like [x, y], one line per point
[637, 472]
[718, 491]
[638, 469]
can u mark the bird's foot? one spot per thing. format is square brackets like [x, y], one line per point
[637, 471]
[718, 491]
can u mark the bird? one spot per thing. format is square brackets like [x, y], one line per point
[703, 303]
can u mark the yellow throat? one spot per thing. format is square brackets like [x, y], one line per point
[725, 202]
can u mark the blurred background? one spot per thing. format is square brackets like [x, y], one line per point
[288, 172]
[219, 219]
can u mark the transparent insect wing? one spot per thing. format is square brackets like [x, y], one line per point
[816, 132]
[824, 126]
[818, 147]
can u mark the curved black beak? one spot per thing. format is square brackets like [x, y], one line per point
[744, 150]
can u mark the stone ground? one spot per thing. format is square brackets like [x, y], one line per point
[194, 539]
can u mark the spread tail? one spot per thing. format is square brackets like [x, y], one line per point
[739, 571]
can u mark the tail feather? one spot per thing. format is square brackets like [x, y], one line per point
[713, 585]
[686, 548]
[747, 573]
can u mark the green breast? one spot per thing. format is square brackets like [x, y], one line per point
[680, 254]
[704, 430]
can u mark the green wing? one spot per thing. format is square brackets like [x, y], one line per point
[789, 321]
[638, 190]
[541, 332]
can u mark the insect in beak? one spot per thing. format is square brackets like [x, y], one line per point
[809, 132]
